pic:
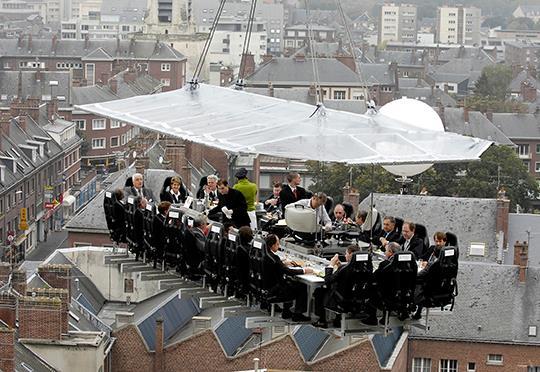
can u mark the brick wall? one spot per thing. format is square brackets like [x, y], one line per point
[7, 349]
[8, 308]
[40, 318]
[5, 270]
[18, 281]
[129, 352]
[58, 293]
[516, 358]
[97, 240]
[57, 276]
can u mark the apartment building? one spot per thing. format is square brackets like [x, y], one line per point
[397, 23]
[458, 25]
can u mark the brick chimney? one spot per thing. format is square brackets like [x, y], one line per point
[40, 318]
[58, 293]
[393, 67]
[347, 61]
[175, 152]
[142, 163]
[521, 258]
[52, 108]
[7, 349]
[57, 275]
[350, 195]
[465, 114]
[113, 85]
[22, 121]
[130, 75]
[86, 42]
[38, 74]
[226, 76]
[248, 62]
[5, 123]
[105, 77]
[54, 43]
[300, 57]
[267, 58]
[489, 115]
[18, 281]
[528, 91]
[503, 208]
[30, 42]
[8, 308]
[270, 89]
[5, 270]
[158, 356]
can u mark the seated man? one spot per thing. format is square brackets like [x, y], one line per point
[279, 275]
[271, 203]
[432, 252]
[340, 217]
[195, 240]
[245, 236]
[388, 233]
[322, 294]
[409, 242]
[390, 249]
[138, 188]
[317, 203]
[158, 231]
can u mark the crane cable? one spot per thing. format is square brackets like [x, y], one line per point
[194, 83]
[318, 88]
[240, 81]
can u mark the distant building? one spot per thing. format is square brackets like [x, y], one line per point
[295, 37]
[397, 23]
[458, 25]
[169, 17]
[521, 53]
[527, 11]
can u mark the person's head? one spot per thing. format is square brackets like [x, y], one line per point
[339, 212]
[137, 179]
[241, 173]
[140, 202]
[350, 251]
[360, 217]
[227, 226]
[223, 186]
[440, 239]
[389, 224]
[408, 229]
[200, 222]
[211, 182]
[276, 189]
[163, 207]
[294, 179]
[119, 194]
[176, 183]
[391, 249]
[272, 242]
[245, 235]
[318, 199]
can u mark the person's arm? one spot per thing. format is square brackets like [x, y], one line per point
[325, 218]
[240, 204]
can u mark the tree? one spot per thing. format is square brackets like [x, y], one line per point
[487, 103]
[494, 81]
[521, 23]
[85, 145]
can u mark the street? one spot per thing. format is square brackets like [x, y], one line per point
[56, 239]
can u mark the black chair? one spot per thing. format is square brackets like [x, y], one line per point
[421, 232]
[438, 287]
[159, 236]
[451, 240]
[149, 215]
[351, 287]
[115, 216]
[129, 182]
[329, 206]
[230, 260]
[399, 225]
[134, 226]
[193, 253]
[173, 241]
[395, 285]
[213, 256]
[349, 210]
[257, 286]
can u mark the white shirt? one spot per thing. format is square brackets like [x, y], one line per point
[322, 215]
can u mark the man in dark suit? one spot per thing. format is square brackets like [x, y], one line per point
[409, 242]
[158, 231]
[388, 232]
[232, 205]
[277, 276]
[138, 188]
[292, 192]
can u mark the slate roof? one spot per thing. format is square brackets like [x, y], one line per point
[515, 84]
[232, 334]
[31, 88]
[517, 126]
[464, 52]
[492, 306]
[24, 358]
[91, 94]
[478, 126]
[290, 72]
[519, 224]
[138, 49]
[429, 96]
[376, 74]
[402, 58]
[476, 221]
[384, 345]
[309, 340]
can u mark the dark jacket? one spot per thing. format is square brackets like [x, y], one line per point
[286, 195]
[416, 246]
[275, 271]
[147, 193]
[234, 200]
[168, 196]
[392, 236]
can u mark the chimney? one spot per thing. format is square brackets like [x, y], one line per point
[489, 115]
[38, 74]
[22, 121]
[528, 91]
[270, 89]
[267, 58]
[40, 318]
[18, 281]
[312, 91]
[142, 163]
[8, 308]
[56, 275]
[299, 57]
[5, 270]
[248, 65]
[123, 318]
[175, 152]
[158, 356]
[86, 42]
[7, 349]
[58, 293]
[393, 67]
[465, 114]
[226, 76]
[52, 108]
[113, 85]
[350, 195]
[440, 108]
[503, 208]
[54, 43]
[5, 123]
[130, 75]
[105, 77]
[20, 40]
[30, 42]
[347, 61]
[521, 258]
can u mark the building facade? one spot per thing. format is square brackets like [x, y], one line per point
[458, 25]
[397, 23]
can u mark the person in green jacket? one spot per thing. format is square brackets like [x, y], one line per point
[249, 190]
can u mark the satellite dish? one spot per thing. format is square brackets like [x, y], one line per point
[418, 115]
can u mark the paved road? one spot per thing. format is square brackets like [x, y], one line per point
[55, 240]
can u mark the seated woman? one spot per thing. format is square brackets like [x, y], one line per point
[281, 286]
[173, 190]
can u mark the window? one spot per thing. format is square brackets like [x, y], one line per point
[496, 359]
[527, 164]
[533, 369]
[421, 365]
[448, 365]
[115, 141]
[99, 124]
[532, 331]
[115, 124]
[98, 143]
[80, 123]
[523, 150]
[339, 94]
[538, 148]
[537, 167]
[471, 367]
[477, 249]
[90, 73]
[165, 67]
[166, 82]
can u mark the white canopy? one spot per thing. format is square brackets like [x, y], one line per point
[242, 122]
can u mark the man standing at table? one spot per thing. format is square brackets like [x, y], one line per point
[249, 190]
[232, 205]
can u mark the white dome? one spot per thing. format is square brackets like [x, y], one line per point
[414, 113]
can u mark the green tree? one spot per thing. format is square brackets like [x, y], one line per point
[494, 81]
[488, 103]
[85, 146]
[521, 23]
